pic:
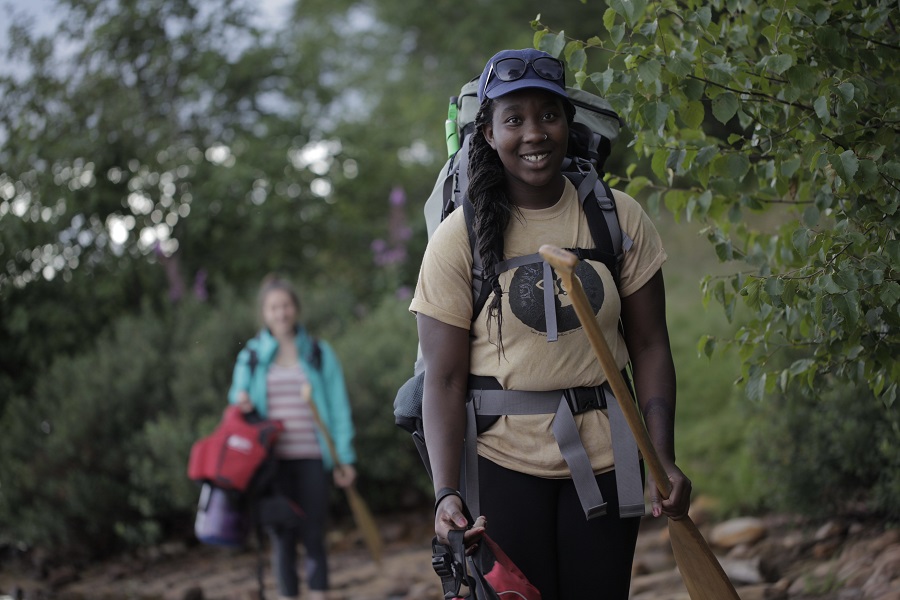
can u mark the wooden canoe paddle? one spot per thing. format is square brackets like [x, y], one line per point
[701, 572]
[361, 513]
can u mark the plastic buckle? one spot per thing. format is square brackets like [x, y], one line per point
[451, 572]
[584, 399]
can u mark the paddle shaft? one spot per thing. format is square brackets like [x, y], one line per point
[564, 263]
[701, 572]
[318, 419]
[364, 518]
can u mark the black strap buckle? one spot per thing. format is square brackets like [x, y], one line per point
[448, 568]
[583, 399]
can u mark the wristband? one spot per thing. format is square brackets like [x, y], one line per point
[443, 493]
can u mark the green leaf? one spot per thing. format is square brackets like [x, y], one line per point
[891, 169]
[609, 19]
[828, 284]
[576, 59]
[655, 114]
[693, 114]
[617, 34]
[679, 66]
[704, 16]
[801, 366]
[846, 91]
[821, 107]
[636, 185]
[800, 240]
[847, 279]
[848, 306]
[774, 287]
[890, 293]
[811, 216]
[658, 164]
[649, 70]
[781, 63]
[845, 165]
[892, 249]
[789, 293]
[693, 89]
[756, 384]
[789, 167]
[558, 44]
[705, 155]
[733, 166]
[706, 346]
[803, 77]
[725, 106]
[603, 80]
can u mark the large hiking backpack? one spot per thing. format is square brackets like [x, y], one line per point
[595, 128]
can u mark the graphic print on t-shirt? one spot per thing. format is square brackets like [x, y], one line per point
[526, 296]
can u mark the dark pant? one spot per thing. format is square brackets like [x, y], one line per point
[539, 523]
[306, 483]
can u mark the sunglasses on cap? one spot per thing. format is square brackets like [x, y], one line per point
[511, 69]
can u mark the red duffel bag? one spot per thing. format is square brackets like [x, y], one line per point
[230, 456]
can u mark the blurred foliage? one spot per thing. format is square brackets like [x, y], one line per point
[157, 158]
[813, 141]
[826, 452]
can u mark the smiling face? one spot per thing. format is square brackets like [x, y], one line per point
[279, 312]
[530, 133]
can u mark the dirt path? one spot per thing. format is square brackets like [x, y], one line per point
[776, 558]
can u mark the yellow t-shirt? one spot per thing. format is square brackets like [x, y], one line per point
[525, 443]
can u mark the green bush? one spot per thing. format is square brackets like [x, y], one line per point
[827, 453]
[65, 472]
[95, 459]
[378, 354]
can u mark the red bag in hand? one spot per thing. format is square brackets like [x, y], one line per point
[488, 573]
[230, 456]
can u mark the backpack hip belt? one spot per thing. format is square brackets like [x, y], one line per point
[564, 404]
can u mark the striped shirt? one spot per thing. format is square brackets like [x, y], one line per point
[287, 404]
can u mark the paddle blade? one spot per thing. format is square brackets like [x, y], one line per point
[701, 572]
[366, 523]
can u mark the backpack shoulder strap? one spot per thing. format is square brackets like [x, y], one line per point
[480, 291]
[599, 206]
[254, 360]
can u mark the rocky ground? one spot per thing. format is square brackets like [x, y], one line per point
[771, 558]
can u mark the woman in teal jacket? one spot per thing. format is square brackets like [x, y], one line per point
[279, 373]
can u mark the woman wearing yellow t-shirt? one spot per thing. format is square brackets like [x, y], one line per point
[526, 490]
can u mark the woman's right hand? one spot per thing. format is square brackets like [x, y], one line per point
[449, 515]
[243, 402]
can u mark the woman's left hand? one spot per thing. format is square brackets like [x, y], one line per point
[344, 476]
[678, 503]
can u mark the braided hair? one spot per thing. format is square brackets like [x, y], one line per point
[489, 195]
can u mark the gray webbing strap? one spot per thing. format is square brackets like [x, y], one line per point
[587, 184]
[622, 242]
[566, 433]
[628, 475]
[549, 288]
[629, 483]
[470, 461]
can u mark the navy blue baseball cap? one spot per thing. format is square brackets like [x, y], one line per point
[511, 70]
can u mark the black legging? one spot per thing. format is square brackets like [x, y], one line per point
[306, 483]
[540, 525]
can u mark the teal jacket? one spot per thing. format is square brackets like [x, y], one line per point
[329, 391]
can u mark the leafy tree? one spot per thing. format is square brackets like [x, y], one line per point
[774, 123]
[805, 95]
[170, 144]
